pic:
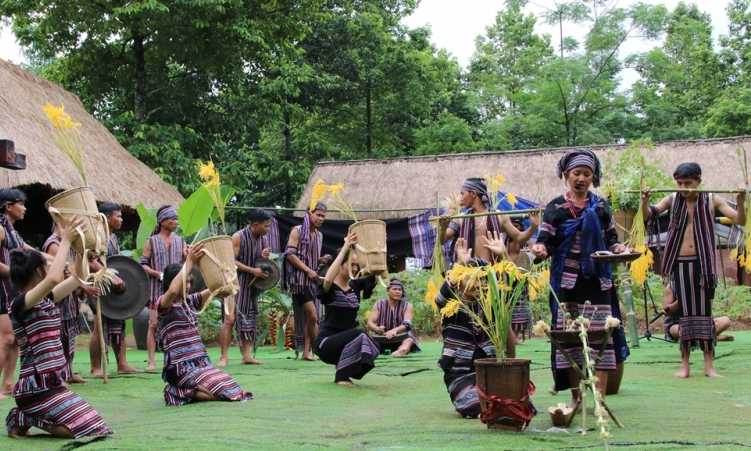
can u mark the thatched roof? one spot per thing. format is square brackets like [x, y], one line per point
[415, 182]
[114, 174]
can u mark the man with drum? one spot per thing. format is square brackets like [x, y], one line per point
[391, 319]
[250, 244]
[114, 330]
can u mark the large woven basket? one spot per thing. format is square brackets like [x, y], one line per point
[217, 266]
[371, 246]
[82, 203]
[508, 379]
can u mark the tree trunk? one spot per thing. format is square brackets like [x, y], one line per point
[368, 121]
[139, 76]
[287, 158]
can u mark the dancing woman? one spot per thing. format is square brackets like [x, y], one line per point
[339, 341]
[42, 398]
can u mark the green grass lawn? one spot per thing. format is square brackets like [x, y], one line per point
[402, 405]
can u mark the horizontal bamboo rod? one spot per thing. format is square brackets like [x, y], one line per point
[688, 190]
[489, 213]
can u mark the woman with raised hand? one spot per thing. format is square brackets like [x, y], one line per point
[41, 395]
[188, 371]
[340, 342]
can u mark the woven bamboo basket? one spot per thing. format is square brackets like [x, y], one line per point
[508, 379]
[371, 246]
[82, 203]
[217, 266]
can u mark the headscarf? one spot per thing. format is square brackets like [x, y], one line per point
[12, 240]
[479, 188]
[398, 283]
[167, 213]
[305, 229]
[581, 157]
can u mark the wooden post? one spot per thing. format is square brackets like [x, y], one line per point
[101, 339]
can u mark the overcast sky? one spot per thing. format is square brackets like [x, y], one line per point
[456, 23]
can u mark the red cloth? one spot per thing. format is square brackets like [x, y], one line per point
[518, 409]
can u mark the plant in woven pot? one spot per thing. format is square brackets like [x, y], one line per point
[79, 201]
[198, 216]
[503, 383]
[371, 234]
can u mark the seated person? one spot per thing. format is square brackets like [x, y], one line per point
[392, 316]
[188, 371]
[672, 317]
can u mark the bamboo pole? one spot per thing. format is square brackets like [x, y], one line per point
[688, 190]
[489, 213]
[101, 339]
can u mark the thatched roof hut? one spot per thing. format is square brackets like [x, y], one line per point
[114, 174]
[416, 182]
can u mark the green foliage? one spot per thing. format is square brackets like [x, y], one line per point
[195, 212]
[635, 168]
[210, 323]
[146, 226]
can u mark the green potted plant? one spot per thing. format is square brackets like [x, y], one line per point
[633, 168]
[501, 378]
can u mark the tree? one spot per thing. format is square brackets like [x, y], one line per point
[681, 80]
[156, 72]
[575, 100]
[505, 60]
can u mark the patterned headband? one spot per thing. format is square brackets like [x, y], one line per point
[479, 188]
[319, 206]
[167, 213]
[580, 157]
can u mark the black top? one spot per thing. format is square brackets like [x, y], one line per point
[342, 306]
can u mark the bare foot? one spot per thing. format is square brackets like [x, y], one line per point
[712, 373]
[76, 379]
[399, 353]
[223, 361]
[251, 361]
[682, 374]
[19, 432]
[2, 397]
[151, 367]
[308, 357]
[347, 383]
[552, 390]
[7, 389]
[725, 338]
[127, 369]
[97, 372]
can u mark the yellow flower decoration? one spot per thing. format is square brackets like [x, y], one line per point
[367, 315]
[451, 309]
[209, 174]
[511, 199]
[431, 295]
[59, 118]
[640, 267]
[334, 189]
[319, 190]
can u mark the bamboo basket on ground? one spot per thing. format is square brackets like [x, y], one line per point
[371, 247]
[507, 379]
[82, 203]
[217, 265]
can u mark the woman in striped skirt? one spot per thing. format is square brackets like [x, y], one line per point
[187, 367]
[340, 342]
[42, 398]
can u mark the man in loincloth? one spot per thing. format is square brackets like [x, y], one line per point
[302, 258]
[250, 244]
[114, 330]
[689, 259]
[163, 248]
